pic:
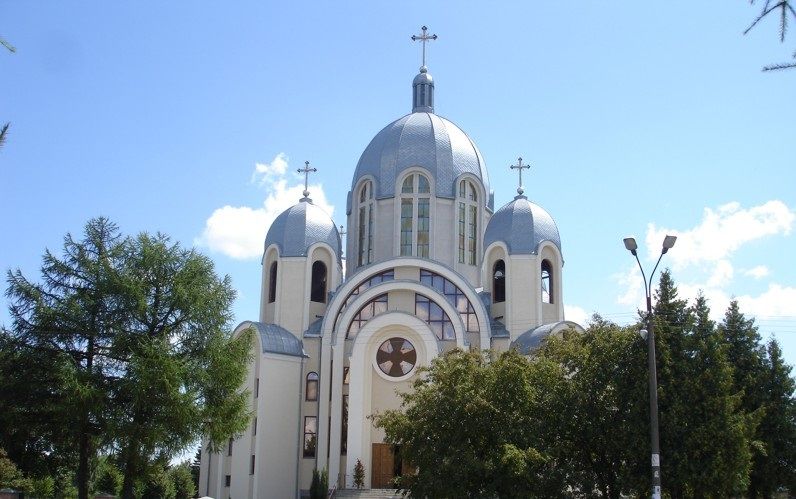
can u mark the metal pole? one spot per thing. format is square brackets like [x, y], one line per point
[654, 440]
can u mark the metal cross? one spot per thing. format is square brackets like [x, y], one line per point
[519, 166]
[306, 171]
[423, 39]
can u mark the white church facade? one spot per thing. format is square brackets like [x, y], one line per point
[431, 266]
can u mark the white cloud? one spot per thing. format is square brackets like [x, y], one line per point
[757, 272]
[722, 231]
[239, 231]
[576, 314]
[774, 302]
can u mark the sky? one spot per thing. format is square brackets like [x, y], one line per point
[191, 118]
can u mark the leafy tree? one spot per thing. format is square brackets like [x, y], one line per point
[139, 326]
[11, 476]
[597, 421]
[195, 467]
[107, 478]
[319, 487]
[468, 426]
[184, 487]
[359, 475]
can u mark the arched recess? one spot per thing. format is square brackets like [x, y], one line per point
[271, 281]
[319, 282]
[499, 281]
[550, 276]
[364, 222]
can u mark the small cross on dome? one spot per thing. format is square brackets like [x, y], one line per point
[520, 167]
[424, 37]
[306, 171]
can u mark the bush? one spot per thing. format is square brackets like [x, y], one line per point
[359, 475]
[184, 487]
[320, 484]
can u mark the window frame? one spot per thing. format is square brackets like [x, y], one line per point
[312, 378]
[319, 281]
[467, 221]
[365, 223]
[417, 194]
[312, 433]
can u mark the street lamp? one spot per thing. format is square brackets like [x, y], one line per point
[630, 244]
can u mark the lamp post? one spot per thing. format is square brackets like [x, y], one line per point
[630, 244]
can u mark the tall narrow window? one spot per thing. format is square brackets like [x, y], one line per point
[272, 283]
[547, 282]
[310, 435]
[415, 236]
[229, 447]
[365, 225]
[251, 468]
[311, 390]
[318, 288]
[499, 282]
[468, 223]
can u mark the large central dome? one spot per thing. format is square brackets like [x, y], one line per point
[426, 140]
[421, 139]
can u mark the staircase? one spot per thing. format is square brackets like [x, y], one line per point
[369, 494]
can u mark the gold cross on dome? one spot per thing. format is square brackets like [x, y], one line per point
[306, 171]
[519, 166]
[424, 37]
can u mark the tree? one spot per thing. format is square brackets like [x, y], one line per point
[319, 487]
[783, 8]
[158, 484]
[184, 487]
[3, 134]
[597, 421]
[468, 426]
[140, 327]
[195, 467]
[107, 478]
[775, 466]
[359, 475]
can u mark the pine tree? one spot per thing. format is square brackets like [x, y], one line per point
[775, 467]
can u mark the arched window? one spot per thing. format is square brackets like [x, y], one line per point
[547, 282]
[272, 283]
[415, 216]
[318, 288]
[365, 225]
[499, 282]
[311, 389]
[468, 222]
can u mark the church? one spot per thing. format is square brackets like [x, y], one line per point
[431, 266]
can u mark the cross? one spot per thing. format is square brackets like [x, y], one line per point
[519, 166]
[306, 171]
[342, 233]
[424, 38]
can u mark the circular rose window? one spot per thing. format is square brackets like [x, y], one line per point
[396, 357]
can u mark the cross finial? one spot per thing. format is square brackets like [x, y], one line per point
[424, 37]
[519, 166]
[306, 171]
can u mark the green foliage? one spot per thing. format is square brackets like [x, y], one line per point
[784, 10]
[320, 484]
[158, 484]
[107, 478]
[180, 475]
[10, 475]
[195, 466]
[359, 475]
[134, 333]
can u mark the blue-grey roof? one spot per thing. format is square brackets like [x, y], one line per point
[301, 226]
[530, 340]
[522, 225]
[276, 339]
[426, 140]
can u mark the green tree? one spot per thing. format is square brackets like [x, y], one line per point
[140, 326]
[11, 476]
[195, 467]
[107, 478]
[320, 484]
[598, 418]
[184, 487]
[359, 475]
[775, 466]
[158, 484]
[468, 426]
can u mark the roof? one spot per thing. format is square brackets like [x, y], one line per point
[426, 140]
[301, 226]
[276, 339]
[532, 339]
[523, 226]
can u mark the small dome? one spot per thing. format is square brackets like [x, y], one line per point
[532, 339]
[422, 77]
[426, 140]
[522, 225]
[275, 339]
[301, 226]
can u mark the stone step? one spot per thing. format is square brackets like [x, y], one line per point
[369, 494]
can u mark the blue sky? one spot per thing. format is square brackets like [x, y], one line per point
[190, 118]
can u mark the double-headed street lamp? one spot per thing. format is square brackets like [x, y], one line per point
[630, 244]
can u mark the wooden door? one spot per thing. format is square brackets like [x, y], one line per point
[383, 464]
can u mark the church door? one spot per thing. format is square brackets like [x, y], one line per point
[383, 459]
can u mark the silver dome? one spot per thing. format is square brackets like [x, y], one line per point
[522, 225]
[425, 140]
[301, 226]
[532, 339]
[275, 339]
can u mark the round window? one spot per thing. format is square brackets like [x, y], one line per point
[396, 357]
